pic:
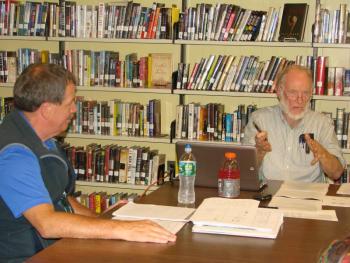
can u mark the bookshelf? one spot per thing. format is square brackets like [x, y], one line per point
[189, 51]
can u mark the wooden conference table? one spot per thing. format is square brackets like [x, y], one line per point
[299, 240]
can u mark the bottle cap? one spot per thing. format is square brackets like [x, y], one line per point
[188, 148]
[230, 155]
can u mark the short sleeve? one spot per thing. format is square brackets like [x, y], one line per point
[21, 184]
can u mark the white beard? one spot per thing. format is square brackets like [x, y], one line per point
[294, 117]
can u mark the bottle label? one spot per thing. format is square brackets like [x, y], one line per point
[187, 168]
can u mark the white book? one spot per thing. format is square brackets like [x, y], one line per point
[190, 121]
[242, 24]
[236, 217]
[268, 23]
[101, 20]
[262, 28]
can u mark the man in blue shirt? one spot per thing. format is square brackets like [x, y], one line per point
[36, 180]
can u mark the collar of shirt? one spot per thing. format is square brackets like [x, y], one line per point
[49, 143]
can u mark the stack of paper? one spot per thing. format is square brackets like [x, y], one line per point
[236, 217]
[171, 218]
[304, 200]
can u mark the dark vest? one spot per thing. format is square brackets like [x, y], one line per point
[18, 238]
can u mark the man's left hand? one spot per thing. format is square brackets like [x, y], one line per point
[317, 149]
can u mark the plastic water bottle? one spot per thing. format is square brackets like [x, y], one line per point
[187, 176]
[229, 177]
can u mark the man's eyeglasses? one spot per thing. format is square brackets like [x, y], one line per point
[294, 95]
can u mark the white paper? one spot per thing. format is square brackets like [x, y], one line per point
[263, 215]
[171, 226]
[336, 201]
[328, 215]
[156, 212]
[303, 190]
[344, 189]
[236, 213]
[296, 204]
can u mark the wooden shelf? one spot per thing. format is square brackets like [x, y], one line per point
[163, 139]
[115, 185]
[346, 151]
[26, 38]
[331, 98]
[7, 85]
[328, 45]
[112, 40]
[244, 43]
[225, 93]
[130, 90]
[209, 142]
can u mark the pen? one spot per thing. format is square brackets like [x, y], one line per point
[257, 127]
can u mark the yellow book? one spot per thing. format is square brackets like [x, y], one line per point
[98, 203]
[44, 54]
[175, 13]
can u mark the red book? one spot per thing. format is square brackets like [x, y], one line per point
[320, 75]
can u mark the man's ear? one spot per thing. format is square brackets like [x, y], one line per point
[46, 110]
[278, 92]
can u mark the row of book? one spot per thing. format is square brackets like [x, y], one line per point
[248, 74]
[94, 68]
[134, 165]
[117, 118]
[105, 20]
[6, 105]
[100, 201]
[229, 22]
[332, 26]
[210, 122]
[331, 81]
[341, 126]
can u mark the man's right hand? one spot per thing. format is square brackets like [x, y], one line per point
[145, 231]
[262, 145]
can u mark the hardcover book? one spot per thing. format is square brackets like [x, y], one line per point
[162, 69]
[293, 22]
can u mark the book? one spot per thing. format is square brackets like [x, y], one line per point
[293, 22]
[240, 217]
[161, 69]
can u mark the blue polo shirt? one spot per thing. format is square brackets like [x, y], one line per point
[21, 184]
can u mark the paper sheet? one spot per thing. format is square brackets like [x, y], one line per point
[171, 226]
[296, 204]
[344, 189]
[236, 213]
[336, 201]
[328, 215]
[157, 212]
[303, 190]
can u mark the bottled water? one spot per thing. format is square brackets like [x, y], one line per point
[187, 175]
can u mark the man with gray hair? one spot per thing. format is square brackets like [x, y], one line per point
[37, 181]
[293, 142]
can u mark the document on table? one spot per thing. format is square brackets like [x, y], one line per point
[171, 226]
[303, 190]
[295, 204]
[301, 208]
[157, 212]
[236, 217]
[344, 189]
[171, 218]
[336, 201]
[328, 215]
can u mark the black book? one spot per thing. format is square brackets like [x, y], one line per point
[293, 22]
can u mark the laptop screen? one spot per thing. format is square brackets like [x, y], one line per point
[210, 157]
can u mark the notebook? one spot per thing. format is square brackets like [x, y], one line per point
[210, 157]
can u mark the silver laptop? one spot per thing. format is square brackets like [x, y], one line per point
[210, 157]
